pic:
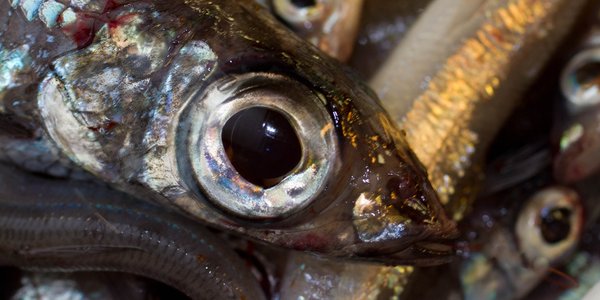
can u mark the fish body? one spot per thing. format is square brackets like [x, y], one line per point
[469, 65]
[58, 226]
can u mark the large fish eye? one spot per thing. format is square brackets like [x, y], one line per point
[549, 225]
[260, 146]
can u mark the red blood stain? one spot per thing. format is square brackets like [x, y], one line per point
[250, 247]
[467, 247]
[110, 5]
[86, 24]
[82, 31]
[310, 241]
[119, 21]
[250, 252]
[561, 279]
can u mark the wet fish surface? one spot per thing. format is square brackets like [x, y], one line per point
[196, 88]
[174, 75]
[165, 101]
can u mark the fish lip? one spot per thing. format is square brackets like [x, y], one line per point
[423, 246]
[419, 254]
[423, 254]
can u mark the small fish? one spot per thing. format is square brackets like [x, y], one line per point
[55, 225]
[582, 271]
[516, 258]
[456, 76]
[214, 108]
[574, 261]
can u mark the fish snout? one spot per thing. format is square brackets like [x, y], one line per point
[403, 223]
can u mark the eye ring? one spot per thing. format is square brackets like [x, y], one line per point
[214, 174]
[536, 246]
[578, 80]
[299, 15]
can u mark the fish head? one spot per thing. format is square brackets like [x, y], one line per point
[219, 111]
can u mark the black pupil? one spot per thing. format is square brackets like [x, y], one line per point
[304, 3]
[556, 224]
[588, 74]
[262, 145]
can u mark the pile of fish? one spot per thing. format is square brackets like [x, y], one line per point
[299, 149]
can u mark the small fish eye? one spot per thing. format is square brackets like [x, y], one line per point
[299, 13]
[262, 145]
[555, 224]
[258, 146]
[580, 80]
[549, 225]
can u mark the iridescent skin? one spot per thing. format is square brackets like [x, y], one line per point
[108, 85]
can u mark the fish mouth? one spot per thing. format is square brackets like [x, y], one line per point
[419, 246]
[413, 230]
[427, 253]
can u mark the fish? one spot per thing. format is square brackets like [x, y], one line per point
[545, 232]
[165, 101]
[466, 68]
[110, 127]
[58, 225]
[533, 259]
[583, 268]
[331, 25]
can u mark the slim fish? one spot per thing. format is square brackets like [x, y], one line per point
[469, 65]
[217, 110]
[60, 225]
